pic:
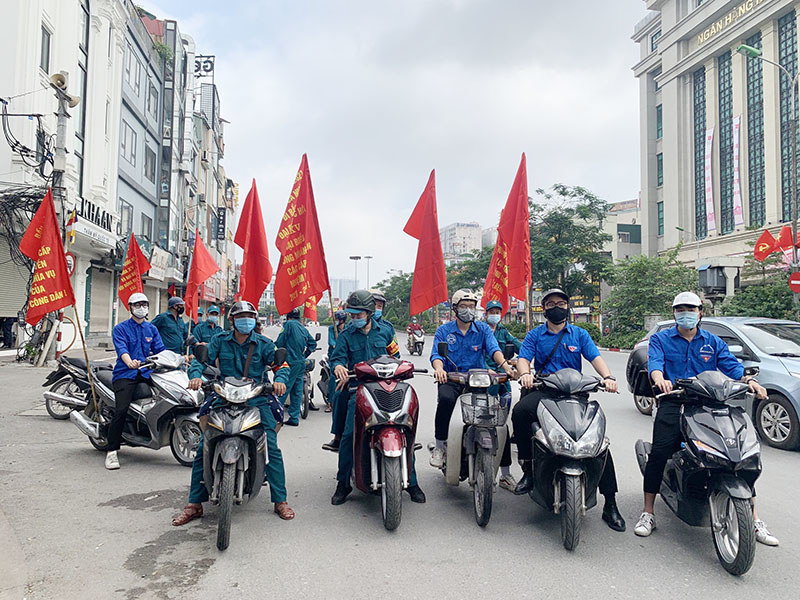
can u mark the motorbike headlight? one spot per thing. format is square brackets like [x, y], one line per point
[591, 441]
[220, 390]
[479, 380]
[236, 394]
[558, 439]
[703, 447]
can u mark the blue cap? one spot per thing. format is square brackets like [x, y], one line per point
[200, 311]
[213, 309]
[175, 301]
[494, 304]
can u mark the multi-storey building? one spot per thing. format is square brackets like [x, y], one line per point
[460, 241]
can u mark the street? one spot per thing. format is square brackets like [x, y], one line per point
[71, 529]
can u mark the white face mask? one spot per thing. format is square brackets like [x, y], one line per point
[140, 312]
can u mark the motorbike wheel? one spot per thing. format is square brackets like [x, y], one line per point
[391, 492]
[644, 404]
[733, 532]
[100, 444]
[225, 506]
[183, 442]
[54, 408]
[306, 398]
[419, 349]
[483, 490]
[571, 516]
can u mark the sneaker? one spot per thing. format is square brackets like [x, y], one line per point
[645, 525]
[437, 458]
[763, 535]
[507, 482]
[112, 462]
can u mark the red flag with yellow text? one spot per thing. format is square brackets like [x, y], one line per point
[310, 309]
[302, 271]
[135, 265]
[765, 245]
[514, 231]
[429, 286]
[51, 289]
[251, 237]
[203, 267]
[496, 285]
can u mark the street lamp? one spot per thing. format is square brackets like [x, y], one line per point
[355, 260]
[696, 239]
[751, 52]
[367, 259]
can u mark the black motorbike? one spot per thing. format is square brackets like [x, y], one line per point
[710, 479]
[570, 449]
[69, 386]
[324, 379]
[308, 388]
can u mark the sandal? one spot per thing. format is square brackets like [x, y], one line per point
[190, 512]
[327, 408]
[283, 511]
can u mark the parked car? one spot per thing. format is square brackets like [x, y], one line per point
[772, 345]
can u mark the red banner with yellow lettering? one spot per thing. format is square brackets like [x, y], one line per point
[135, 265]
[310, 309]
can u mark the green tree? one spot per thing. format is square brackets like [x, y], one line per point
[768, 294]
[470, 274]
[645, 285]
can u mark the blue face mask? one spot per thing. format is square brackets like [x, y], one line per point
[493, 319]
[687, 320]
[378, 313]
[359, 323]
[213, 319]
[245, 324]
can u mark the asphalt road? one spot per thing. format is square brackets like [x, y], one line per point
[71, 529]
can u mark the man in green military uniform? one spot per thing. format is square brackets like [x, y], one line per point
[299, 344]
[363, 339]
[229, 350]
[204, 331]
[171, 327]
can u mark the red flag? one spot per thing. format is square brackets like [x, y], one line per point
[784, 239]
[765, 245]
[51, 289]
[302, 272]
[310, 309]
[429, 286]
[171, 290]
[135, 265]
[251, 237]
[514, 231]
[203, 267]
[496, 285]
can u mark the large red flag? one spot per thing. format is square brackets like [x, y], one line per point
[784, 239]
[135, 265]
[496, 285]
[514, 231]
[310, 309]
[765, 245]
[429, 286]
[203, 267]
[51, 289]
[302, 272]
[251, 237]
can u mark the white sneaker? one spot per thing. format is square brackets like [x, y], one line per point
[645, 525]
[437, 458]
[507, 482]
[763, 535]
[112, 462]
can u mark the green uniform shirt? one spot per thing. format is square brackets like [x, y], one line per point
[205, 331]
[231, 357]
[173, 331]
[503, 336]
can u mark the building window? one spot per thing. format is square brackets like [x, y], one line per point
[152, 101]
[655, 74]
[660, 208]
[84, 26]
[659, 123]
[724, 73]
[150, 164]
[699, 105]
[654, 40]
[125, 218]
[80, 115]
[44, 57]
[755, 136]
[659, 169]
[787, 56]
[147, 227]
[127, 143]
[624, 237]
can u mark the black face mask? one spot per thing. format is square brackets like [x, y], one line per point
[556, 315]
[179, 310]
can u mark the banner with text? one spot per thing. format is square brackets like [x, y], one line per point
[738, 213]
[711, 220]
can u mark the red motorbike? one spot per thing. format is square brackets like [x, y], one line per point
[385, 428]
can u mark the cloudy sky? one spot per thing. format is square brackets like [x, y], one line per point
[378, 94]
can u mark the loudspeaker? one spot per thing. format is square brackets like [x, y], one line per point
[58, 80]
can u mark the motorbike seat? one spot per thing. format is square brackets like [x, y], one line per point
[142, 392]
[104, 377]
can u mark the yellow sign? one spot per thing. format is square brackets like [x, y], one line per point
[734, 15]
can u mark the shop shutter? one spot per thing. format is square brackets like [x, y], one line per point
[100, 301]
[13, 283]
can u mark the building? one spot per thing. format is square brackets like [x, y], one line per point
[489, 237]
[342, 288]
[715, 126]
[460, 241]
[622, 224]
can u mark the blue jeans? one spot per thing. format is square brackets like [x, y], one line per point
[294, 390]
[346, 445]
[276, 476]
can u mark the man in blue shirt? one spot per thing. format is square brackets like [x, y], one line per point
[173, 329]
[679, 353]
[299, 344]
[134, 340]
[553, 346]
[468, 343]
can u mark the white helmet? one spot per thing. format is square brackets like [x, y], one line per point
[137, 297]
[463, 295]
[687, 299]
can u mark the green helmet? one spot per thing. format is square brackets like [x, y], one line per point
[361, 300]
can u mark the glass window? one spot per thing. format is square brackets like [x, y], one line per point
[655, 74]
[79, 170]
[128, 63]
[654, 40]
[659, 169]
[152, 101]
[778, 339]
[80, 111]
[755, 135]
[137, 76]
[125, 217]
[660, 208]
[44, 56]
[146, 227]
[787, 56]
[699, 101]
[659, 123]
[149, 164]
[724, 74]
[127, 143]
[84, 27]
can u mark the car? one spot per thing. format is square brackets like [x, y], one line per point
[772, 345]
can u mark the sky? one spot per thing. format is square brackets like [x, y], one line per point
[378, 94]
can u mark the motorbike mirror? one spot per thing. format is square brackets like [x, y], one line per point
[751, 371]
[211, 373]
[442, 349]
[317, 337]
[280, 356]
[201, 354]
[509, 350]
[737, 350]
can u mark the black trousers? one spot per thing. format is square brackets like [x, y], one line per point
[124, 391]
[524, 416]
[448, 396]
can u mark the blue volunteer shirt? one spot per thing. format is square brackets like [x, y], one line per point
[575, 343]
[138, 340]
[466, 350]
[676, 358]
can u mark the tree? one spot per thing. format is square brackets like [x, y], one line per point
[768, 295]
[645, 285]
[470, 274]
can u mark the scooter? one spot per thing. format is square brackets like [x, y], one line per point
[710, 479]
[324, 378]
[415, 342]
[308, 389]
[476, 434]
[384, 433]
[163, 413]
[570, 449]
[70, 381]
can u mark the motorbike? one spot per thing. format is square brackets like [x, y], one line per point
[308, 388]
[710, 479]
[235, 452]
[570, 449]
[415, 342]
[384, 433]
[71, 380]
[476, 435]
[324, 378]
[161, 414]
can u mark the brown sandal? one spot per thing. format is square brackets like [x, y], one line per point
[190, 512]
[283, 511]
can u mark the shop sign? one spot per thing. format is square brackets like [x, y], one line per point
[728, 19]
[159, 262]
[89, 211]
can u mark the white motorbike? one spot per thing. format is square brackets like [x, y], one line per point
[416, 342]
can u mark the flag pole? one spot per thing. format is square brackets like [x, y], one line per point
[88, 365]
[335, 329]
[527, 307]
